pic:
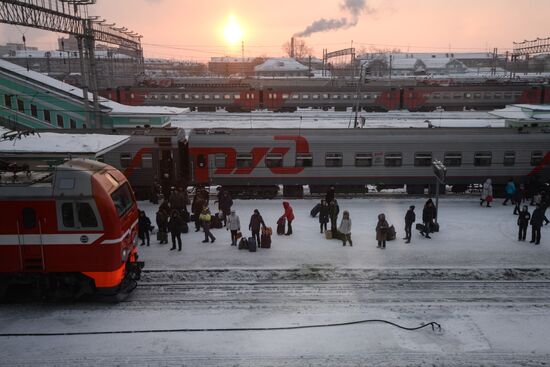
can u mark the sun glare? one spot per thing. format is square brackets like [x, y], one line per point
[233, 32]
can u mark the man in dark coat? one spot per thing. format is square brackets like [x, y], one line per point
[176, 227]
[523, 223]
[428, 216]
[256, 221]
[536, 223]
[225, 203]
[144, 226]
[410, 218]
[162, 224]
[329, 197]
[333, 210]
[323, 216]
[197, 206]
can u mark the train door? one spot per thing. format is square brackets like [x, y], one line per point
[166, 170]
[31, 245]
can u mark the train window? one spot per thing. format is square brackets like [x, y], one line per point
[186, 96]
[34, 111]
[477, 95]
[274, 160]
[219, 161]
[147, 160]
[60, 122]
[366, 96]
[67, 215]
[304, 160]
[457, 96]
[295, 96]
[334, 160]
[315, 96]
[345, 96]
[86, 215]
[244, 160]
[374, 96]
[166, 96]
[201, 161]
[508, 95]
[29, 218]
[482, 159]
[468, 95]
[155, 96]
[217, 96]
[393, 159]
[7, 100]
[436, 96]
[335, 96]
[125, 160]
[206, 96]
[226, 96]
[446, 95]
[176, 96]
[536, 158]
[509, 158]
[122, 198]
[498, 95]
[196, 96]
[285, 96]
[423, 159]
[326, 96]
[487, 96]
[237, 96]
[363, 159]
[305, 96]
[453, 159]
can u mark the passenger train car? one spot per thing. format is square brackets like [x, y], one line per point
[281, 98]
[70, 232]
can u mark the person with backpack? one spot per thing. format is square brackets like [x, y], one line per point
[289, 216]
[523, 222]
[144, 226]
[323, 215]
[176, 227]
[233, 225]
[410, 218]
[205, 219]
[381, 231]
[345, 228]
[256, 221]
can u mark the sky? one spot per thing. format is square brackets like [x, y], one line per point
[194, 30]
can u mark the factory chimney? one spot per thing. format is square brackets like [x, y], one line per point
[292, 48]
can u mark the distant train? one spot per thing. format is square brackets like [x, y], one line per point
[243, 97]
[256, 162]
[70, 232]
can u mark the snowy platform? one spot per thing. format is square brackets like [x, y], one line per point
[471, 237]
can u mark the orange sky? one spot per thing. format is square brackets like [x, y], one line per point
[192, 29]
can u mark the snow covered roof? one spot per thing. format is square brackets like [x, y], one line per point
[232, 59]
[524, 112]
[404, 63]
[114, 107]
[96, 144]
[281, 64]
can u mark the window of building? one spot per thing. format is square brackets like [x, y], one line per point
[453, 159]
[536, 158]
[20, 105]
[482, 159]
[393, 159]
[334, 160]
[509, 159]
[34, 111]
[67, 215]
[60, 122]
[86, 215]
[244, 160]
[304, 160]
[274, 160]
[219, 161]
[363, 159]
[423, 159]
[125, 160]
[7, 100]
[147, 160]
[72, 123]
[29, 218]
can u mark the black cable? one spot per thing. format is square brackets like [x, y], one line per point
[433, 324]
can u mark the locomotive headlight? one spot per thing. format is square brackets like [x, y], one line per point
[124, 254]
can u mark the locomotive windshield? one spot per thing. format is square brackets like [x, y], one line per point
[122, 198]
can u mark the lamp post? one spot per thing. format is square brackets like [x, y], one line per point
[440, 172]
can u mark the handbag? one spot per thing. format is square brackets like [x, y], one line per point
[239, 234]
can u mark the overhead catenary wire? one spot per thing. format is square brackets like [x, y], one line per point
[434, 325]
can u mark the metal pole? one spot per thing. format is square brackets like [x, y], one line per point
[84, 81]
[436, 198]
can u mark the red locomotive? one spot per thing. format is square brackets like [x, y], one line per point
[70, 232]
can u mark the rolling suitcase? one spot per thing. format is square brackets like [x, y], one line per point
[243, 244]
[281, 226]
[420, 227]
[265, 241]
[251, 244]
[434, 227]
[391, 234]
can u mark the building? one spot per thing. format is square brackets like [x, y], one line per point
[233, 66]
[281, 68]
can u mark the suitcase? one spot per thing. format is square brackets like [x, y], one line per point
[215, 222]
[434, 227]
[391, 234]
[162, 236]
[265, 241]
[251, 244]
[267, 230]
[316, 209]
[281, 226]
[185, 227]
[420, 227]
[243, 244]
[328, 234]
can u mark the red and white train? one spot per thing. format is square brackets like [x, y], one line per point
[69, 233]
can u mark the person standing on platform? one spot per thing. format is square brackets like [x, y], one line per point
[410, 218]
[323, 216]
[289, 215]
[176, 227]
[487, 193]
[256, 221]
[523, 222]
[144, 226]
[333, 210]
[233, 225]
[345, 228]
[205, 219]
[536, 224]
[382, 231]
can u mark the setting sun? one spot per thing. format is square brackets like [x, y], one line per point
[233, 32]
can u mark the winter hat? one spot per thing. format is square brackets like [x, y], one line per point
[411, 207]
[256, 211]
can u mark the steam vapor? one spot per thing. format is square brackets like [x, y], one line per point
[353, 7]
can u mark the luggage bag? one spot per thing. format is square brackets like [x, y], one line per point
[251, 244]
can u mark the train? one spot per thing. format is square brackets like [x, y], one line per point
[278, 97]
[257, 163]
[69, 233]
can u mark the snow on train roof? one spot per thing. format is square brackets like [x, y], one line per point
[96, 144]
[114, 107]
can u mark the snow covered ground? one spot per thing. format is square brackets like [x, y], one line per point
[490, 293]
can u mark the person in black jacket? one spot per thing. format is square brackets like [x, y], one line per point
[333, 211]
[176, 227]
[428, 216]
[410, 218]
[536, 223]
[256, 221]
[162, 224]
[144, 226]
[523, 223]
[329, 197]
[225, 203]
[323, 215]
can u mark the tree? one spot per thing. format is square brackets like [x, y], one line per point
[301, 49]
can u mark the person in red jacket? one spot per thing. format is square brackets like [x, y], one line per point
[289, 216]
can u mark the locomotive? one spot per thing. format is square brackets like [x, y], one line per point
[69, 233]
[278, 97]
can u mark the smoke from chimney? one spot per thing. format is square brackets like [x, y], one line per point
[353, 7]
